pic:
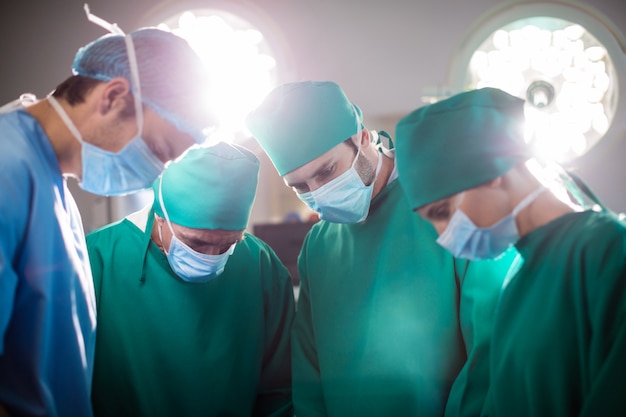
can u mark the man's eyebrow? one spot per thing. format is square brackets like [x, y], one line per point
[192, 239]
[317, 173]
[434, 208]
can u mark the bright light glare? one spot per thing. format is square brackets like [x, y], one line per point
[553, 177]
[241, 66]
[565, 56]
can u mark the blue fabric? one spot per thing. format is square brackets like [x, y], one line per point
[47, 303]
[172, 77]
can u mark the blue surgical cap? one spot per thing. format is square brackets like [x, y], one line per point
[172, 77]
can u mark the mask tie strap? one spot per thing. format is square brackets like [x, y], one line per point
[379, 165]
[161, 239]
[63, 115]
[132, 61]
[527, 200]
[167, 218]
[111, 27]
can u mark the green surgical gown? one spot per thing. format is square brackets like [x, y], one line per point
[169, 348]
[378, 329]
[559, 338]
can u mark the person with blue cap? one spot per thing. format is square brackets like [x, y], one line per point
[194, 314]
[383, 312]
[558, 345]
[131, 105]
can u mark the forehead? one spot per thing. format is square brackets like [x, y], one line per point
[423, 210]
[165, 137]
[209, 236]
[310, 169]
[436, 208]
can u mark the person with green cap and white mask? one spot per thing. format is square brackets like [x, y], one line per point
[558, 346]
[378, 328]
[194, 313]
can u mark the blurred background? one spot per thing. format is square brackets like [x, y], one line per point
[567, 58]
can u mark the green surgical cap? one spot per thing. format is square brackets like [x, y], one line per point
[209, 187]
[459, 143]
[298, 122]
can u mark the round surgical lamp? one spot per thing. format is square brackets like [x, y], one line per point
[237, 54]
[565, 61]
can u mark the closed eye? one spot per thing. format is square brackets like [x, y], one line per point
[321, 176]
[325, 173]
[439, 211]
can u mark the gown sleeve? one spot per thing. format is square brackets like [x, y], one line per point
[15, 189]
[274, 396]
[605, 277]
[480, 286]
[308, 398]
[97, 264]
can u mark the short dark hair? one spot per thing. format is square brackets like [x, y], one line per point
[75, 88]
[351, 144]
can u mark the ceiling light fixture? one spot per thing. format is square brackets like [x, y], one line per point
[564, 61]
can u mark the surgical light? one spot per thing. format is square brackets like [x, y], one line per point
[558, 60]
[237, 56]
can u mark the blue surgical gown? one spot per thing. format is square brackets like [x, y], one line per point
[47, 303]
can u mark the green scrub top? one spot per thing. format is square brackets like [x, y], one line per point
[378, 330]
[165, 347]
[559, 338]
[478, 301]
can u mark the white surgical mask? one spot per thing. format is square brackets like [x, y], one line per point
[188, 264]
[133, 168]
[466, 240]
[345, 199]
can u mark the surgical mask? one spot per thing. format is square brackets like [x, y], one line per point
[466, 240]
[345, 199]
[133, 168]
[188, 264]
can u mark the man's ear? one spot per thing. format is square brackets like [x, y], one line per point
[158, 219]
[115, 96]
[494, 183]
[364, 137]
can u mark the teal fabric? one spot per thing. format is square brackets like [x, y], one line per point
[478, 300]
[377, 330]
[459, 143]
[297, 122]
[167, 348]
[210, 187]
[559, 339]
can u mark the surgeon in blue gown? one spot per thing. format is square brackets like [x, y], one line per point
[128, 109]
